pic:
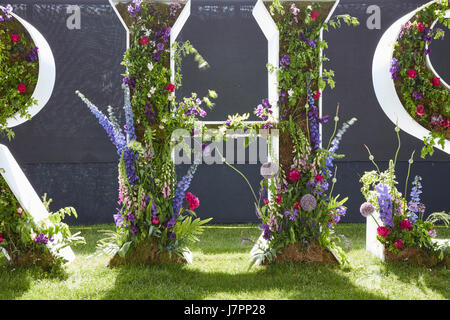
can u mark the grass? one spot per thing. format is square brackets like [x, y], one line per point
[220, 271]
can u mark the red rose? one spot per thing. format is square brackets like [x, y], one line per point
[294, 175]
[144, 41]
[435, 81]
[420, 27]
[420, 110]
[155, 220]
[297, 205]
[15, 37]
[193, 201]
[21, 88]
[316, 95]
[319, 178]
[278, 198]
[314, 15]
[383, 231]
[398, 244]
[170, 87]
[412, 73]
[1, 238]
[266, 201]
[405, 224]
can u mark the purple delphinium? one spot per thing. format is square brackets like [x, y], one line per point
[385, 204]
[130, 132]
[133, 229]
[417, 95]
[171, 223]
[314, 120]
[129, 159]
[118, 219]
[182, 187]
[130, 82]
[395, 69]
[414, 205]
[266, 231]
[32, 55]
[285, 61]
[133, 11]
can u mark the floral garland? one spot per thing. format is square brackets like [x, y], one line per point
[301, 210]
[19, 67]
[423, 95]
[151, 208]
[23, 241]
[403, 224]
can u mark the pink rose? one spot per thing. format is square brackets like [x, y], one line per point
[1, 238]
[420, 110]
[278, 198]
[15, 37]
[316, 95]
[405, 224]
[398, 244]
[314, 15]
[435, 81]
[319, 178]
[383, 231]
[420, 26]
[294, 175]
[21, 88]
[266, 201]
[412, 73]
[170, 87]
[193, 201]
[144, 41]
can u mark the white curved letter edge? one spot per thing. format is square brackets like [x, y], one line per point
[46, 76]
[27, 197]
[372, 244]
[384, 84]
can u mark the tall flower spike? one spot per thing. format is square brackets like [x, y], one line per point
[130, 131]
[181, 189]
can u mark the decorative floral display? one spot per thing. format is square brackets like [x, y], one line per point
[19, 68]
[301, 211]
[422, 94]
[154, 207]
[23, 241]
[403, 225]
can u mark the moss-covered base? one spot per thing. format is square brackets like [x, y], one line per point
[146, 252]
[418, 257]
[312, 253]
[44, 260]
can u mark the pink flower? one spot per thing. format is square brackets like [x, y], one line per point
[294, 175]
[383, 231]
[144, 41]
[20, 211]
[155, 220]
[398, 244]
[192, 200]
[1, 238]
[412, 73]
[319, 178]
[21, 88]
[314, 15]
[420, 110]
[435, 81]
[316, 95]
[405, 224]
[297, 205]
[420, 26]
[266, 201]
[170, 87]
[15, 37]
[278, 198]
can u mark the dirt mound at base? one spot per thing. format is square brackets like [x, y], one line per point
[312, 253]
[145, 252]
[416, 256]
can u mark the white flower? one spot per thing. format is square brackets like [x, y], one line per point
[290, 92]
[164, 120]
[150, 66]
[148, 32]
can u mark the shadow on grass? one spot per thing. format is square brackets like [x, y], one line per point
[15, 281]
[282, 281]
[436, 278]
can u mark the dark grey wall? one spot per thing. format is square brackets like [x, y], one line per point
[65, 153]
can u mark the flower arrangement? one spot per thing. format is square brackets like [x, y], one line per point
[403, 230]
[155, 219]
[423, 95]
[24, 241]
[298, 218]
[19, 67]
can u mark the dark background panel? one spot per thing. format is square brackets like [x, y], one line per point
[65, 153]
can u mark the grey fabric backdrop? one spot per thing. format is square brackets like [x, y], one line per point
[65, 153]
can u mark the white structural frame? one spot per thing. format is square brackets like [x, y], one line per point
[46, 77]
[28, 198]
[384, 84]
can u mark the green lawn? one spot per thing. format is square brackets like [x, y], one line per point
[220, 271]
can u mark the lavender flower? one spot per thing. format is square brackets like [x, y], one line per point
[266, 231]
[129, 159]
[314, 120]
[414, 205]
[366, 209]
[417, 95]
[308, 202]
[118, 219]
[395, 69]
[285, 61]
[385, 204]
[32, 55]
[133, 11]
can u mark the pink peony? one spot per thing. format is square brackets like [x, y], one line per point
[316, 95]
[405, 224]
[420, 110]
[192, 200]
[170, 87]
[144, 41]
[420, 27]
[435, 81]
[15, 37]
[278, 198]
[297, 205]
[155, 220]
[398, 244]
[21, 88]
[1, 238]
[412, 73]
[383, 231]
[294, 175]
[314, 15]
[319, 178]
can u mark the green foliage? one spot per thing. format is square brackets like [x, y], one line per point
[15, 70]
